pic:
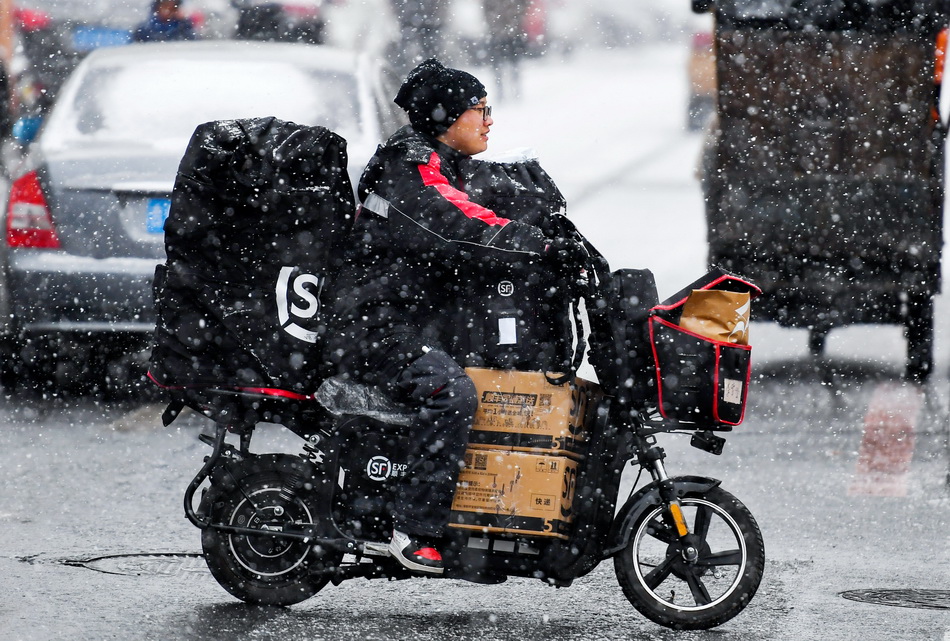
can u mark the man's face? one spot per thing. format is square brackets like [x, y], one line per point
[469, 133]
[167, 10]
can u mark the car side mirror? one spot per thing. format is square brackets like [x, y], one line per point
[26, 128]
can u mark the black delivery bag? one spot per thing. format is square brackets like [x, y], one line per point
[513, 316]
[258, 211]
[701, 379]
[620, 351]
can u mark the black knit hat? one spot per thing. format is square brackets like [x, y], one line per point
[435, 96]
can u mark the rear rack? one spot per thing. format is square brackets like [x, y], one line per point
[241, 408]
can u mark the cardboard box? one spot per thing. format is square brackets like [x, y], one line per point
[522, 411]
[503, 491]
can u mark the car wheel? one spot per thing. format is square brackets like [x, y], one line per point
[38, 356]
[11, 364]
[919, 331]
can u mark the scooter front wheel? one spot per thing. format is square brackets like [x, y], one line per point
[699, 583]
[262, 569]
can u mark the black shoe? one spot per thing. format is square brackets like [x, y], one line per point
[416, 554]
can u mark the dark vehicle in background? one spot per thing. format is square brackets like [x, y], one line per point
[83, 226]
[54, 35]
[294, 21]
[825, 184]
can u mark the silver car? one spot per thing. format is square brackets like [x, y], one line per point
[83, 223]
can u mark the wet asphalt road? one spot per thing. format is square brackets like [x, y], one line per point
[94, 545]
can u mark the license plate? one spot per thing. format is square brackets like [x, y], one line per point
[155, 215]
[86, 38]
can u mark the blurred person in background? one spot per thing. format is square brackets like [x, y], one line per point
[166, 23]
[507, 42]
[420, 31]
[48, 59]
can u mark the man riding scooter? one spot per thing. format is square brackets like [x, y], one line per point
[417, 239]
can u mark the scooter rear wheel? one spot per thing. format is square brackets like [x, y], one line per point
[693, 595]
[264, 569]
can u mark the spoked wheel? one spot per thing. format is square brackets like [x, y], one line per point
[263, 569]
[668, 587]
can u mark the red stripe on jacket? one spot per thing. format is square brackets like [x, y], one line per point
[432, 177]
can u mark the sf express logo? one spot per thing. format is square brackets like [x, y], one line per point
[298, 302]
[506, 288]
[380, 468]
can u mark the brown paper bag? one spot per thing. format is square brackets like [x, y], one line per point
[718, 314]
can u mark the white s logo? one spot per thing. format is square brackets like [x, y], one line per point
[306, 287]
[313, 303]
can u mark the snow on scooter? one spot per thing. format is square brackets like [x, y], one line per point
[540, 494]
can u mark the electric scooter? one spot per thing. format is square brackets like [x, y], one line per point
[277, 528]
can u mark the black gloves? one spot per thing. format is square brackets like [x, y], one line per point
[567, 258]
[567, 252]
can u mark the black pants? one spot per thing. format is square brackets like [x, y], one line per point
[429, 382]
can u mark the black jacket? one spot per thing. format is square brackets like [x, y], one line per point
[418, 244]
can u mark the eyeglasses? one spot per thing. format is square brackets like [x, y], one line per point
[486, 111]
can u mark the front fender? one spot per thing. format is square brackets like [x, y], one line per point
[646, 498]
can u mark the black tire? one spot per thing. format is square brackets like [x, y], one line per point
[263, 570]
[919, 331]
[12, 368]
[38, 356]
[817, 339]
[668, 590]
